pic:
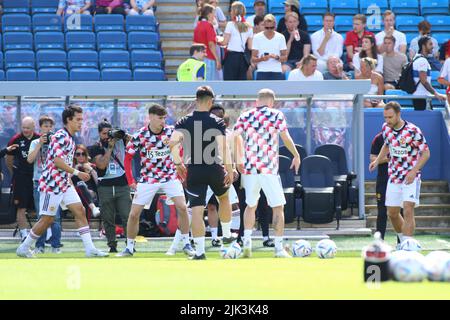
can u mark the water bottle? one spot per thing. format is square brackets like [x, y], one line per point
[376, 260]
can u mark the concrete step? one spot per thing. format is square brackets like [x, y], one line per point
[175, 25]
[176, 44]
[184, 34]
[174, 61]
[422, 210]
[425, 198]
[171, 7]
[426, 187]
[421, 222]
[433, 230]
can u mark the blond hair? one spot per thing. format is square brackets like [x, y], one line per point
[270, 18]
[266, 94]
[238, 11]
[371, 63]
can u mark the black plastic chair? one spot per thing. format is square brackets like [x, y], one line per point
[288, 183]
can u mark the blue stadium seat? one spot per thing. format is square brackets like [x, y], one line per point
[343, 23]
[434, 76]
[141, 74]
[407, 23]
[114, 59]
[16, 22]
[439, 23]
[18, 40]
[410, 36]
[249, 6]
[20, 74]
[51, 59]
[434, 7]
[16, 6]
[84, 74]
[2, 75]
[276, 6]
[44, 6]
[80, 40]
[141, 23]
[365, 4]
[143, 40]
[442, 37]
[78, 22]
[315, 22]
[405, 7]
[313, 6]
[108, 22]
[116, 74]
[344, 6]
[403, 102]
[111, 40]
[53, 74]
[82, 59]
[19, 59]
[1, 60]
[47, 22]
[49, 40]
[146, 59]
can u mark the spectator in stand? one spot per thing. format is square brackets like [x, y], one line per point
[194, 68]
[354, 38]
[389, 30]
[393, 63]
[422, 74]
[444, 77]
[335, 68]
[425, 30]
[298, 42]
[220, 20]
[326, 42]
[68, 7]
[260, 10]
[368, 49]
[258, 27]
[144, 7]
[292, 6]
[269, 51]
[204, 33]
[109, 7]
[368, 66]
[237, 37]
[307, 70]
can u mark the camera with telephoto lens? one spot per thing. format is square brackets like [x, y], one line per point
[49, 136]
[116, 133]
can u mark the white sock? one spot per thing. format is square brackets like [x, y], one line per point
[226, 229]
[85, 235]
[235, 219]
[400, 236]
[265, 238]
[199, 245]
[214, 233]
[248, 236]
[278, 243]
[49, 234]
[176, 240]
[185, 238]
[30, 240]
[130, 244]
[23, 233]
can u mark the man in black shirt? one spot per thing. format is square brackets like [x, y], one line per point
[22, 172]
[208, 163]
[298, 42]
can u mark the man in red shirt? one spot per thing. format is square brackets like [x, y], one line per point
[353, 39]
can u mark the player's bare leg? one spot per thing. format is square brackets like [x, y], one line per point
[132, 229]
[21, 219]
[38, 229]
[183, 224]
[213, 222]
[409, 224]
[396, 220]
[249, 223]
[225, 217]
[198, 231]
[278, 225]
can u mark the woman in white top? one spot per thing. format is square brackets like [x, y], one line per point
[368, 49]
[307, 70]
[377, 82]
[238, 34]
[444, 77]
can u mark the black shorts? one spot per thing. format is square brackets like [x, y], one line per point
[23, 191]
[199, 178]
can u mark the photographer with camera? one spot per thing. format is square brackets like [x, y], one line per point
[37, 155]
[108, 154]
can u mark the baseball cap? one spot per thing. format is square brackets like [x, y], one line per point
[294, 3]
[259, 1]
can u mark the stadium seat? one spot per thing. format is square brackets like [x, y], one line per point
[18, 40]
[82, 59]
[143, 40]
[116, 74]
[407, 23]
[80, 40]
[344, 6]
[410, 36]
[249, 6]
[19, 59]
[313, 7]
[146, 59]
[434, 7]
[1, 60]
[49, 40]
[47, 22]
[405, 7]
[315, 22]
[147, 74]
[16, 6]
[111, 40]
[338, 159]
[53, 74]
[44, 6]
[434, 76]
[439, 23]
[407, 103]
[78, 22]
[141, 23]
[114, 59]
[2, 75]
[21, 74]
[276, 6]
[287, 178]
[108, 22]
[51, 59]
[343, 23]
[16, 22]
[321, 196]
[442, 37]
[284, 151]
[365, 4]
[84, 74]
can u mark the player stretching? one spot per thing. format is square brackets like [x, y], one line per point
[260, 127]
[158, 173]
[409, 152]
[55, 186]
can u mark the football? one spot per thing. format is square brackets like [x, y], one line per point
[437, 266]
[231, 252]
[408, 266]
[301, 248]
[326, 249]
[410, 244]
